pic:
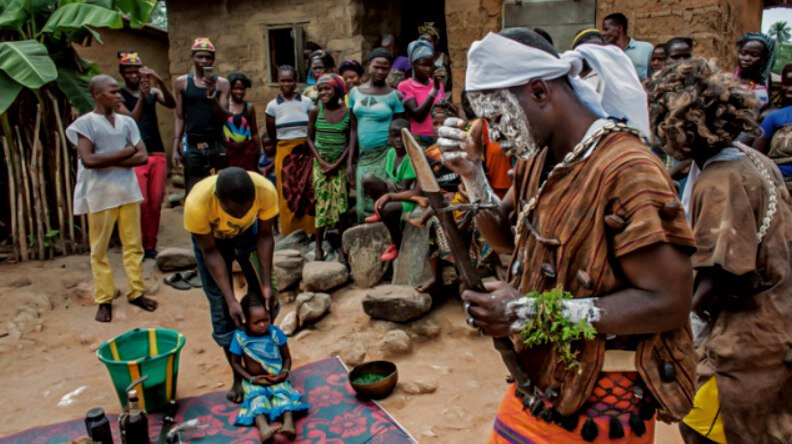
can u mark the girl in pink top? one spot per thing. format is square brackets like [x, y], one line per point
[422, 91]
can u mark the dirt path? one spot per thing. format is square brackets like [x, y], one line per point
[49, 349]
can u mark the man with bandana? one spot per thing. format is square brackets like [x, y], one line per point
[140, 102]
[594, 213]
[201, 112]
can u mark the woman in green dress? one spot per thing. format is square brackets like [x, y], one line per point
[331, 137]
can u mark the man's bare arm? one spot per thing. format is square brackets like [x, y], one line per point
[91, 160]
[217, 268]
[139, 158]
[178, 120]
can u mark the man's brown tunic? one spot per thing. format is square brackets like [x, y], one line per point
[616, 201]
[752, 333]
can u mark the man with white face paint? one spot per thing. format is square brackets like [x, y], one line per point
[595, 213]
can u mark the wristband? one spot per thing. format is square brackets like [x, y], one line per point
[252, 378]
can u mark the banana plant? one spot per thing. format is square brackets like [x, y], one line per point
[42, 78]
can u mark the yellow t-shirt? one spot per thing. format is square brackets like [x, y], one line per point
[203, 214]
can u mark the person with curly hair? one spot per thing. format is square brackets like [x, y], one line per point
[740, 213]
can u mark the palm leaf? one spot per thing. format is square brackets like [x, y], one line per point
[75, 16]
[27, 62]
[75, 86]
[9, 89]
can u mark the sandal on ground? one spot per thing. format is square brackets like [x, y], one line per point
[177, 281]
[192, 278]
[390, 253]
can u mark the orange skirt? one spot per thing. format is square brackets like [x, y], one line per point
[513, 425]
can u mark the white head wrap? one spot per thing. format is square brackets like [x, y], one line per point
[497, 62]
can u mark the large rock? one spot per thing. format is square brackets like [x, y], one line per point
[288, 267]
[412, 267]
[321, 276]
[296, 240]
[289, 323]
[311, 307]
[353, 355]
[175, 258]
[363, 245]
[396, 303]
[330, 253]
[395, 342]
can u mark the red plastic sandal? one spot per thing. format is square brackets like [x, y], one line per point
[373, 218]
[390, 253]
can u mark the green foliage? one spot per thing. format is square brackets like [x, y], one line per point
[780, 31]
[46, 31]
[783, 56]
[76, 16]
[551, 327]
[27, 62]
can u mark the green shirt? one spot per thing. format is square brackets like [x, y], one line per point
[402, 174]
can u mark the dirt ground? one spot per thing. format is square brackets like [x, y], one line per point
[49, 339]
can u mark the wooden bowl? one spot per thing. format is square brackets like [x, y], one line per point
[379, 389]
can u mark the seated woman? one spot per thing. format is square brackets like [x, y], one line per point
[395, 197]
[261, 357]
[331, 137]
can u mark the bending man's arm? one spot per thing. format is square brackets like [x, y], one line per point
[217, 268]
[265, 244]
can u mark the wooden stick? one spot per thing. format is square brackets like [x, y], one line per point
[33, 165]
[66, 172]
[59, 196]
[38, 172]
[20, 205]
[12, 198]
[23, 166]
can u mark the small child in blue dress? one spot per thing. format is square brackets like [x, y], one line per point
[261, 357]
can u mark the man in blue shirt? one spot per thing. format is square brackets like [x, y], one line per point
[614, 31]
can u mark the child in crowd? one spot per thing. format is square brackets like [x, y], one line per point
[395, 198]
[332, 136]
[261, 357]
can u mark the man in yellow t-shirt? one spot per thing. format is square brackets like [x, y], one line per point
[230, 216]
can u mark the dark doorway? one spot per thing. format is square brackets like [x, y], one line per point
[414, 14]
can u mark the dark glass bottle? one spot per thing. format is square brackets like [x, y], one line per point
[134, 423]
[98, 426]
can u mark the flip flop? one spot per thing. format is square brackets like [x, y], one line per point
[177, 281]
[192, 278]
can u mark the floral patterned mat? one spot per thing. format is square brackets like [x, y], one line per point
[336, 416]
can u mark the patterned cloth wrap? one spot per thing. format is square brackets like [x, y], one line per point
[272, 400]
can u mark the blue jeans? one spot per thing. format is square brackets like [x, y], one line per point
[238, 249]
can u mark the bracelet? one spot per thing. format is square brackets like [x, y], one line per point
[252, 378]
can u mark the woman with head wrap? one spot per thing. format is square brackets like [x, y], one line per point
[375, 104]
[331, 137]
[756, 55]
[739, 210]
[422, 91]
[428, 32]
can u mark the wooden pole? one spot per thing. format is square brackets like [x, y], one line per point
[12, 197]
[59, 196]
[33, 166]
[38, 173]
[20, 205]
[23, 166]
[66, 172]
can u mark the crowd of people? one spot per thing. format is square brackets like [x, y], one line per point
[620, 172]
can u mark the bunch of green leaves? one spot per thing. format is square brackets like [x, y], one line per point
[551, 327]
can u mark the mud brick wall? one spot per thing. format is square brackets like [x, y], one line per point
[238, 29]
[467, 21]
[714, 25]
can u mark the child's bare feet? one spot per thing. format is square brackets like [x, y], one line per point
[104, 313]
[426, 285]
[145, 303]
[319, 253]
[287, 429]
[235, 394]
[266, 431]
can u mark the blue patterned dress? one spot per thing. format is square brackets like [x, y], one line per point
[272, 400]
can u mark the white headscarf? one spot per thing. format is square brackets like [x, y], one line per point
[497, 62]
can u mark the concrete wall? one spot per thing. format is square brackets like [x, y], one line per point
[467, 21]
[152, 46]
[239, 28]
[714, 25]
